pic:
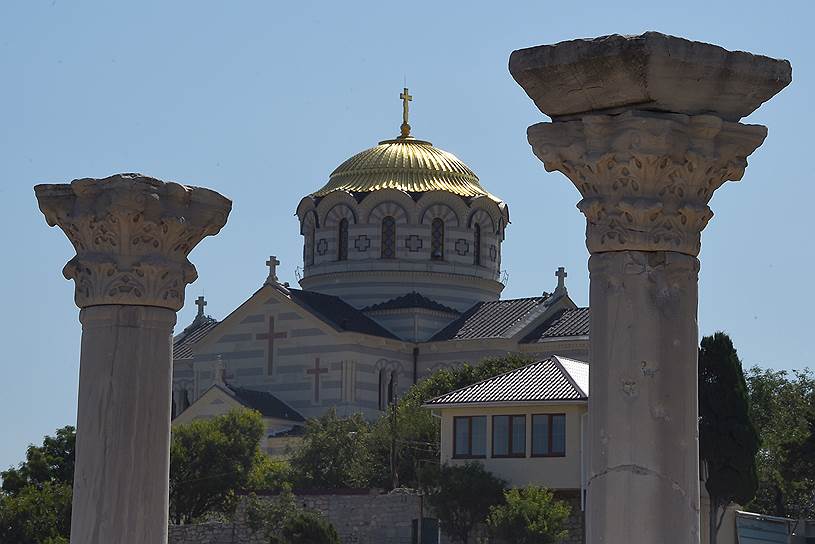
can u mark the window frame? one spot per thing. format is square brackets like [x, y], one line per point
[388, 222]
[510, 454]
[468, 455]
[477, 244]
[437, 243]
[550, 417]
[342, 239]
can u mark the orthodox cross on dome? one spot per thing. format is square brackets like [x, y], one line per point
[270, 338]
[272, 263]
[316, 371]
[405, 96]
[561, 278]
[200, 302]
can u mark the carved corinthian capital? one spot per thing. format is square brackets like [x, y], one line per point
[646, 178]
[132, 235]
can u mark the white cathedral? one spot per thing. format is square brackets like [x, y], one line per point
[401, 277]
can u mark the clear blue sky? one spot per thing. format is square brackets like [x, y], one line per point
[261, 100]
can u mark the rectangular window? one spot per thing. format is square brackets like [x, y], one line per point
[509, 436]
[549, 435]
[469, 437]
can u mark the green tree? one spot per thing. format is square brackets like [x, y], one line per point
[51, 462]
[334, 453]
[282, 521]
[783, 410]
[211, 461]
[728, 441]
[461, 496]
[417, 431]
[307, 527]
[36, 514]
[530, 515]
[35, 497]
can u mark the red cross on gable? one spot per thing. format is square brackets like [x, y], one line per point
[316, 371]
[270, 336]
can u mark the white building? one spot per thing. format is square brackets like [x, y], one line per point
[401, 276]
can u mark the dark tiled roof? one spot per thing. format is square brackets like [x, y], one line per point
[265, 403]
[338, 313]
[198, 329]
[554, 379]
[410, 300]
[493, 319]
[564, 324]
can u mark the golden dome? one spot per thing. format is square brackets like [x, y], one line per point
[408, 164]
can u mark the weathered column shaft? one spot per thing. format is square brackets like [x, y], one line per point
[122, 468]
[643, 401]
[132, 235]
[646, 179]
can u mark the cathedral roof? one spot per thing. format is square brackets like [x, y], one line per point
[407, 164]
[494, 319]
[338, 313]
[265, 403]
[565, 324]
[198, 329]
[409, 301]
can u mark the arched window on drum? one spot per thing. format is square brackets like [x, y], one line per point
[342, 240]
[477, 244]
[437, 240]
[388, 238]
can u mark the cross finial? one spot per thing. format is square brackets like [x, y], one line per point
[561, 278]
[405, 96]
[200, 302]
[272, 263]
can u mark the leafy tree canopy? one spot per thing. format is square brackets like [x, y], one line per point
[783, 410]
[461, 496]
[51, 462]
[334, 453]
[530, 515]
[35, 501]
[211, 460]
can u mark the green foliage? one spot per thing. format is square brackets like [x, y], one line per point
[306, 527]
[783, 410]
[51, 462]
[461, 496]
[35, 500]
[530, 515]
[282, 521]
[728, 441]
[417, 431]
[36, 514]
[211, 460]
[268, 474]
[334, 453]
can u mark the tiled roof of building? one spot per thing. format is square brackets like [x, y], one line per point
[554, 379]
[265, 403]
[198, 329]
[563, 324]
[410, 300]
[493, 319]
[338, 313]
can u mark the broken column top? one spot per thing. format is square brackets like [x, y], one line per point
[652, 71]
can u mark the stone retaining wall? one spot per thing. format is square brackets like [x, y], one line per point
[358, 518]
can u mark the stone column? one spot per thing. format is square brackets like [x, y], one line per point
[646, 129]
[132, 235]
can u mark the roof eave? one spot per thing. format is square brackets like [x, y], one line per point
[504, 403]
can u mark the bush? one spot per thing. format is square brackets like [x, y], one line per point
[306, 527]
[461, 496]
[530, 515]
